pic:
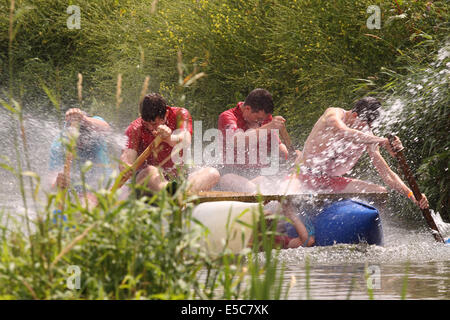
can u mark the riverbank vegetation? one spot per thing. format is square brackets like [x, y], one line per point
[147, 248]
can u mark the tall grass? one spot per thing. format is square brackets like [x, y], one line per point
[140, 248]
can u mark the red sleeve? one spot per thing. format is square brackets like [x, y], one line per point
[133, 136]
[227, 121]
[268, 119]
[184, 120]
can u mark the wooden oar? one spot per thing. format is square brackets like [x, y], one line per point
[287, 139]
[68, 164]
[292, 155]
[128, 172]
[66, 173]
[416, 191]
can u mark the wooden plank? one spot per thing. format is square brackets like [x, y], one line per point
[248, 197]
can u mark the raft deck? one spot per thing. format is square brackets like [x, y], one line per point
[378, 198]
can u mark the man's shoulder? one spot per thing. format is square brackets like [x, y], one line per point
[230, 114]
[332, 113]
[135, 125]
[227, 119]
[179, 110]
[98, 118]
[333, 110]
[227, 112]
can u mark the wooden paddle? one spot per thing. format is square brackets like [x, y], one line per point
[68, 164]
[66, 173]
[292, 155]
[415, 189]
[128, 172]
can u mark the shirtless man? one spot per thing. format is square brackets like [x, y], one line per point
[337, 141]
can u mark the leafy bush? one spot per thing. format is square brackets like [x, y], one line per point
[418, 112]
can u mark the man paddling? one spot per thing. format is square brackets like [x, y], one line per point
[90, 146]
[337, 141]
[89, 134]
[174, 126]
[251, 121]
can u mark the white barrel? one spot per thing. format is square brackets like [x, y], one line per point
[222, 219]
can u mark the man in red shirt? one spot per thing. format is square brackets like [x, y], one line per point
[250, 122]
[174, 126]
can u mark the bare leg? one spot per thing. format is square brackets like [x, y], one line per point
[203, 180]
[236, 183]
[263, 185]
[152, 178]
[290, 186]
[359, 186]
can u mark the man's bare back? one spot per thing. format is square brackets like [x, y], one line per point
[329, 151]
[334, 146]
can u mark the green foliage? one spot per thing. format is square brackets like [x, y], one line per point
[146, 248]
[423, 119]
[309, 54]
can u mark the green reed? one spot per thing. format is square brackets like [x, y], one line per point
[132, 249]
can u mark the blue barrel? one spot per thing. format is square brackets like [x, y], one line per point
[348, 221]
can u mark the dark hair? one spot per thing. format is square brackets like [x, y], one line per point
[367, 109]
[153, 105]
[260, 99]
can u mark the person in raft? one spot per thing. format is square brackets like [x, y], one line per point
[298, 231]
[337, 141]
[174, 126]
[90, 146]
[90, 133]
[246, 122]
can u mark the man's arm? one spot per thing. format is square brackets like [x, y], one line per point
[172, 138]
[391, 178]
[95, 123]
[130, 153]
[303, 238]
[127, 158]
[334, 118]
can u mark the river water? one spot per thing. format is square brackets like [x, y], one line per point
[410, 264]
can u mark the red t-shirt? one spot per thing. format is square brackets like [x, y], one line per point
[233, 120]
[139, 137]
